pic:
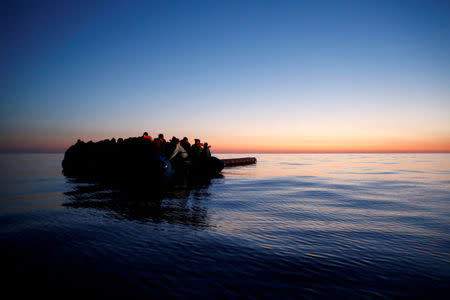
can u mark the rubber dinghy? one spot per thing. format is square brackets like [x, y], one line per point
[133, 159]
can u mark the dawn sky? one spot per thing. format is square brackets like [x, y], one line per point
[250, 76]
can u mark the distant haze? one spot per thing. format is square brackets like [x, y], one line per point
[245, 76]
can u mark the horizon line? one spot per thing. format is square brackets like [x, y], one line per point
[258, 152]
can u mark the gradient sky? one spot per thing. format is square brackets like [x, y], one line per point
[246, 76]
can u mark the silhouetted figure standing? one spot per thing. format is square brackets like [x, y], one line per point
[197, 150]
[170, 146]
[186, 145]
[160, 143]
[206, 154]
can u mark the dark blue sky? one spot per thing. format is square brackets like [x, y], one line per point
[297, 70]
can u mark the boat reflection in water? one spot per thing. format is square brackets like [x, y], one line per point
[177, 203]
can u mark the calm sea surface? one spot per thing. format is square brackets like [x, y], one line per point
[291, 226]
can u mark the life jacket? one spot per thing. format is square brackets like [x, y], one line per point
[148, 137]
[158, 141]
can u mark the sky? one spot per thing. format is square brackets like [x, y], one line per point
[244, 76]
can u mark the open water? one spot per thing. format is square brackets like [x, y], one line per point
[291, 226]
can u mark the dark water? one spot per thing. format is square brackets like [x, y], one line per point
[292, 226]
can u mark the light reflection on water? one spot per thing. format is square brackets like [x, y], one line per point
[319, 225]
[347, 166]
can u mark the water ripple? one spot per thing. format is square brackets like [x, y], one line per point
[291, 226]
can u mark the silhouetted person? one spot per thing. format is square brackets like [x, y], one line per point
[186, 145]
[179, 152]
[146, 136]
[170, 146]
[197, 150]
[206, 153]
[160, 143]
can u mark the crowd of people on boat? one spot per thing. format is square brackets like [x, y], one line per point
[176, 150]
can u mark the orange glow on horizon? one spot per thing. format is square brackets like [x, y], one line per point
[336, 146]
[259, 145]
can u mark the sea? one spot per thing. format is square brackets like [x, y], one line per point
[291, 226]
